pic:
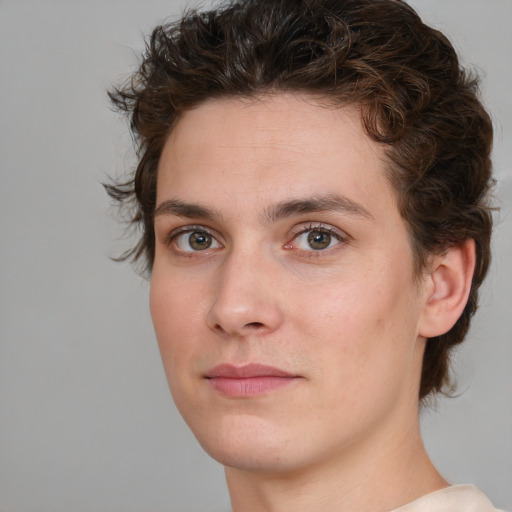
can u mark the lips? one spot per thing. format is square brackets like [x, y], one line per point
[248, 381]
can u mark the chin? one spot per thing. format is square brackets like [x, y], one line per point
[247, 459]
[257, 459]
[250, 444]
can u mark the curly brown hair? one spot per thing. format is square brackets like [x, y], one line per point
[415, 98]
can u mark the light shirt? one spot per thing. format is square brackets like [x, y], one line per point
[456, 498]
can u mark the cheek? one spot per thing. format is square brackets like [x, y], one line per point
[174, 313]
[363, 325]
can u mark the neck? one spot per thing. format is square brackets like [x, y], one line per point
[387, 471]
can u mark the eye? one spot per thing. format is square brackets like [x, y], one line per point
[193, 240]
[316, 238]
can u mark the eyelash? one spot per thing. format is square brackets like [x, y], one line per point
[175, 234]
[321, 228]
[311, 227]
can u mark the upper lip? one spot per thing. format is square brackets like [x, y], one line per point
[245, 372]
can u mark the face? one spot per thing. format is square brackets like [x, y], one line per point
[282, 294]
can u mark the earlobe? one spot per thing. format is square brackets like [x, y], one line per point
[447, 289]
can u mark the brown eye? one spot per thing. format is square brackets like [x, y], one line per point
[195, 240]
[319, 240]
[200, 241]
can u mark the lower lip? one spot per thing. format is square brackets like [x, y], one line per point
[250, 386]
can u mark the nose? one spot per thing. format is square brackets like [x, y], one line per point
[246, 299]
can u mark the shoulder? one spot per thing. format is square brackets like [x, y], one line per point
[456, 498]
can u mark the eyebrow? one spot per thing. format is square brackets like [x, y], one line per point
[188, 210]
[273, 213]
[334, 203]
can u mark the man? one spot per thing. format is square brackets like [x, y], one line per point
[312, 190]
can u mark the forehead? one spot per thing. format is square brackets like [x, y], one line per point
[273, 148]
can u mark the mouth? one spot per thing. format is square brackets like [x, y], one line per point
[249, 380]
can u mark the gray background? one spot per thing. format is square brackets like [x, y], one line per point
[86, 423]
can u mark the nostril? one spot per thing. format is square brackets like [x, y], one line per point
[219, 329]
[254, 325]
[246, 329]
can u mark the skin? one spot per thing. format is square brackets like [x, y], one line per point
[237, 281]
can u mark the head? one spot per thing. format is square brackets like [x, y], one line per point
[376, 58]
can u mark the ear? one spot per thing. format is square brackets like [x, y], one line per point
[447, 289]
